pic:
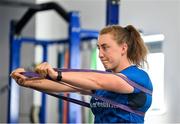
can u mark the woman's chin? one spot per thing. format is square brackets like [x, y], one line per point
[107, 67]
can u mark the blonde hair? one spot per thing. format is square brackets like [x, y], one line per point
[137, 50]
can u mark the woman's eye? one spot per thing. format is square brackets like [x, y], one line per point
[105, 48]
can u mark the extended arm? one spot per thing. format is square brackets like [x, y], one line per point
[88, 80]
[43, 84]
[83, 80]
[94, 80]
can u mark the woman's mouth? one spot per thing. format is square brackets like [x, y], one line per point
[104, 62]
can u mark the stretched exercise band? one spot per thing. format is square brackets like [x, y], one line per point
[33, 75]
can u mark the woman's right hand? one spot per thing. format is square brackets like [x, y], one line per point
[19, 78]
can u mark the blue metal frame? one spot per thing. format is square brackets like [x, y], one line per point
[76, 34]
[74, 50]
[43, 102]
[112, 10]
[43, 42]
[13, 96]
[74, 43]
[14, 62]
[88, 34]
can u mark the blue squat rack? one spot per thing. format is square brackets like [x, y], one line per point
[76, 35]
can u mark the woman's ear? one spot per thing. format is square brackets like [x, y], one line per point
[124, 48]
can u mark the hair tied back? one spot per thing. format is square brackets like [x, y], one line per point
[127, 29]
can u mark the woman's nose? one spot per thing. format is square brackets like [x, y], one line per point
[101, 54]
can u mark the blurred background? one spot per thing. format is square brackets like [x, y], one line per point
[157, 20]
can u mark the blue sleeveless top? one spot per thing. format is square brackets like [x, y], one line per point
[138, 100]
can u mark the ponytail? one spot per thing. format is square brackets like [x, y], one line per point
[137, 50]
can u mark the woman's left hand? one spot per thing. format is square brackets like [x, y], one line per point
[45, 69]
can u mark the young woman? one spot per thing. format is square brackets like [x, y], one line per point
[122, 51]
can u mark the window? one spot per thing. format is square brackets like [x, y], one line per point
[156, 73]
[155, 60]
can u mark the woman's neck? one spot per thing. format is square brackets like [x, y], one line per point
[122, 66]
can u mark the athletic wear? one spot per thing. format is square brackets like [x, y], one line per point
[138, 100]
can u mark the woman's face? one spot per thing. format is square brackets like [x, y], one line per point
[110, 52]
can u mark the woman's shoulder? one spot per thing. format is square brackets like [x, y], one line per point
[135, 72]
[137, 75]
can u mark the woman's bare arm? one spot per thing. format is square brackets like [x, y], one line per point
[44, 84]
[94, 80]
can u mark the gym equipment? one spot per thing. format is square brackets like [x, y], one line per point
[75, 36]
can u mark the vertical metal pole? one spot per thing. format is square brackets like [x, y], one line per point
[43, 102]
[74, 47]
[112, 10]
[13, 92]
